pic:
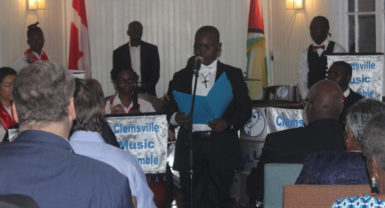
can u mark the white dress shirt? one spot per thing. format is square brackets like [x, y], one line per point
[303, 68]
[135, 59]
[346, 93]
[206, 81]
[144, 105]
[21, 62]
[91, 144]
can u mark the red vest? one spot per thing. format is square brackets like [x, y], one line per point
[29, 53]
[120, 106]
[5, 119]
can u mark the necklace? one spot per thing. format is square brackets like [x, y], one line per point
[205, 79]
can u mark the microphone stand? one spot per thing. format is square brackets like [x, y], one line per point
[135, 104]
[189, 129]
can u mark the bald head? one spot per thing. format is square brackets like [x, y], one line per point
[324, 101]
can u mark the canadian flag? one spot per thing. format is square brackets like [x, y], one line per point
[79, 51]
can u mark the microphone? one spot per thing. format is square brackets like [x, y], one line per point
[197, 64]
[135, 104]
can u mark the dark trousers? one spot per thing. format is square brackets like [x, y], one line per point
[210, 186]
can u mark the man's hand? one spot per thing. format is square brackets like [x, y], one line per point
[218, 125]
[117, 109]
[182, 119]
[29, 58]
[133, 110]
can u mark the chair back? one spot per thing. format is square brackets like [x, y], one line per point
[304, 196]
[17, 201]
[277, 175]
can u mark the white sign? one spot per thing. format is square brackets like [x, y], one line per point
[265, 120]
[256, 128]
[251, 151]
[367, 73]
[145, 137]
[279, 119]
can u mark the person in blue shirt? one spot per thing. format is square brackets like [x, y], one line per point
[87, 140]
[40, 162]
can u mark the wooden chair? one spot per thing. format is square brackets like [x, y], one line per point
[305, 196]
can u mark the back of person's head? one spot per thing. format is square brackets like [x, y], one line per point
[5, 71]
[359, 114]
[324, 101]
[341, 72]
[373, 143]
[89, 105]
[34, 29]
[42, 93]
[342, 64]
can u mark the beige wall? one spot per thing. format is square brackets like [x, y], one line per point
[289, 35]
[170, 24]
[13, 27]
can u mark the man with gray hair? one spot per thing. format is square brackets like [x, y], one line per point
[40, 163]
[358, 116]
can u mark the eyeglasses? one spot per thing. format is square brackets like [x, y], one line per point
[206, 46]
[129, 81]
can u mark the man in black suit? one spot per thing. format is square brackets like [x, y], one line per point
[216, 148]
[323, 133]
[140, 56]
[341, 72]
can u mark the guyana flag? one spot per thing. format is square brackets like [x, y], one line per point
[256, 53]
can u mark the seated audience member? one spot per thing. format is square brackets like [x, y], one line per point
[343, 167]
[40, 162]
[7, 75]
[87, 141]
[373, 147]
[35, 40]
[323, 132]
[341, 72]
[126, 100]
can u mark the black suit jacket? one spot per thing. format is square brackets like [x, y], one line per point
[352, 98]
[292, 146]
[224, 148]
[149, 63]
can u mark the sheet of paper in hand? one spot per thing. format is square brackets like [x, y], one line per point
[207, 107]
